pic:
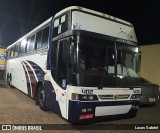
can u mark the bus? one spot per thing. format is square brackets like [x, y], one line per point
[81, 64]
[2, 62]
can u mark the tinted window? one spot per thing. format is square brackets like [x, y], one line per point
[38, 40]
[22, 47]
[45, 38]
[12, 52]
[60, 24]
[16, 50]
[8, 53]
[30, 43]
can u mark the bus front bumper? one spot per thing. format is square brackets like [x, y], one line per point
[81, 112]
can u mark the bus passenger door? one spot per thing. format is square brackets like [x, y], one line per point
[61, 75]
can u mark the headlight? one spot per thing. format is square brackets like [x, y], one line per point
[82, 97]
[75, 96]
[90, 97]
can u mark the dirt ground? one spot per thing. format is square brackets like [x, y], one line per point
[18, 108]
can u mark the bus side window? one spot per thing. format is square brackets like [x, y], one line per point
[38, 40]
[12, 52]
[22, 46]
[45, 38]
[19, 47]
[30, 43]
[8, 53]
[16, 50]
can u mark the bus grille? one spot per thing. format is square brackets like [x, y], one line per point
[112, 97]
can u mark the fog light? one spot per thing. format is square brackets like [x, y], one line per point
[90, 97]
[84, 97]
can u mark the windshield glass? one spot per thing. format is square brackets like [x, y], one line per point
[126, 63]
[98, 58]
[104, 63]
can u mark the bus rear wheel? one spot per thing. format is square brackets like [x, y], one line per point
[40, 98]
[9, 80]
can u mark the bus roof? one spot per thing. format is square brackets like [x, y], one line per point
[65, 10]
[94, 12]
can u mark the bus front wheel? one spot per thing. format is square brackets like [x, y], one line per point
[40, 98]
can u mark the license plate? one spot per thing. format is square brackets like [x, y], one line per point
[152, 99]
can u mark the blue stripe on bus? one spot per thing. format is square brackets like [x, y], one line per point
[27, 79]
[33, 81]
[38, 70]
[51, 101]
[75, 109]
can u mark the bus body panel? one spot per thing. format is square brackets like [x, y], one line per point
[88, 112]
[87, 22]
[24, 75]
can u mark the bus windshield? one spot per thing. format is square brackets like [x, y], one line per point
[111, 64]
[97, 58]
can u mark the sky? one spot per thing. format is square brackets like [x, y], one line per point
[17, 17]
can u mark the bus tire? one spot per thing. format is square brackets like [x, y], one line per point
[40, 98]
[9, 80]
[132, 114]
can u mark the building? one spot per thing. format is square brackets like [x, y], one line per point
[150, 63]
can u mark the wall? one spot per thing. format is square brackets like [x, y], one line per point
[150, 63]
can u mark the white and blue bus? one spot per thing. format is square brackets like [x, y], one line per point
[81, 64]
